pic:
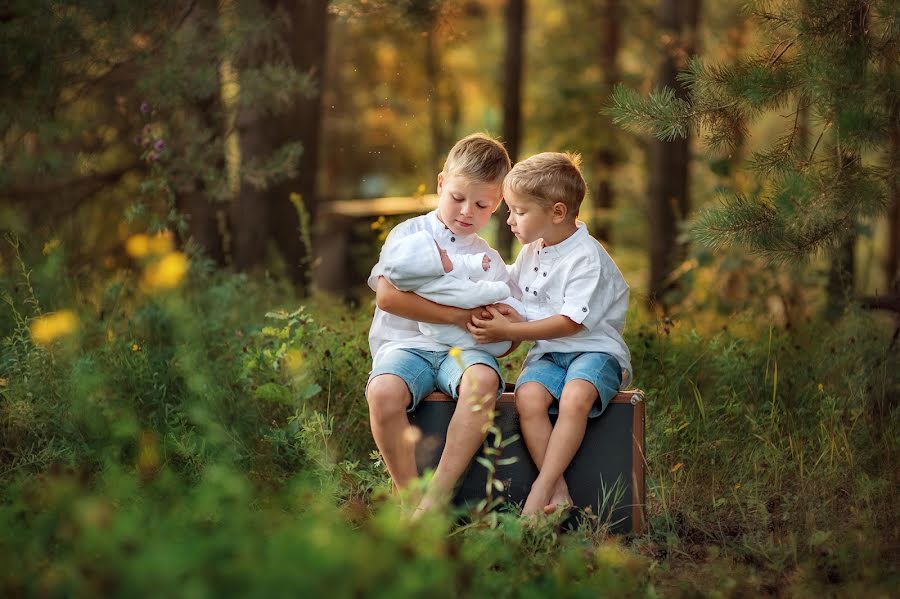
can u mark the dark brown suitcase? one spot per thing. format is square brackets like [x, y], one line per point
[606, 475]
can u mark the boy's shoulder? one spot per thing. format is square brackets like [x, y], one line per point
[406, 228]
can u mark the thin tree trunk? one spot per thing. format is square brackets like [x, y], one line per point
[841, 276]
[512, 105]
[892, 255]
[669, 161]
[432, 76]
[611, 11]
[307, 38]
[244, 135]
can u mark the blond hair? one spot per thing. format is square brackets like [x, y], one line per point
[548, 178]
[478, 157]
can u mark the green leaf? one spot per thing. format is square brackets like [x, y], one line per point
[309, 391]
[275, 393]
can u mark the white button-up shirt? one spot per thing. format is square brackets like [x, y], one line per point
[390, 331]
[578, 279]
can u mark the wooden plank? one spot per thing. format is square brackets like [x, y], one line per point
[388, 206]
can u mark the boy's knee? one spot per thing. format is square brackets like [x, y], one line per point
[479, 379]
[387, 396]
[577, 398]
[532, 398]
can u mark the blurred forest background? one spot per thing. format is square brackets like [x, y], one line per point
[193, 192]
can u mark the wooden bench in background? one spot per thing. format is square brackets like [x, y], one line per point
[607, 473]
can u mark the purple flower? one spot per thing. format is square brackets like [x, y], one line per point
[160, 145]
[145, 107]
[152, 157]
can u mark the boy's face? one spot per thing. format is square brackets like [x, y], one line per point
[466, 205]
[528, 220]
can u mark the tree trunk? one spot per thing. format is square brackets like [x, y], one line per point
[432, 76]
[512, 105]
[841, 276]
[892, 256]
[307, 40]
[669, 161]
[611, 14]
[244, 135]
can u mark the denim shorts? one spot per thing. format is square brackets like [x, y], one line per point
[556, 369]
[427, 371]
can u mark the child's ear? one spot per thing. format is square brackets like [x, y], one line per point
[440, 182]
[559, 212]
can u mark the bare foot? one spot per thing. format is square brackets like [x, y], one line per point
[428, 503]
[560, 500]
[537, 499]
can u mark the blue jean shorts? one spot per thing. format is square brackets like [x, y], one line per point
[427, 371]
[554, 371]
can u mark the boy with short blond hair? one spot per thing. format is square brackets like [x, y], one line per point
[407, 365]
[575, 300]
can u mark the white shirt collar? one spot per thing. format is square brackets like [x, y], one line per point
[566, 245]
[446, 238]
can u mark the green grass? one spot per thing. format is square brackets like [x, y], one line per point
[185, 443]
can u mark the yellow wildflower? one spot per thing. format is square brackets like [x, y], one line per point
[167, 272]
[135, 347]
[138, 245]
[45, 329]
[821, 388]
[4, 382]
[294, 361]
[420, 189]
[50, 246]
[676, 467]
[141, 245]
[161, 243]
[454, 352]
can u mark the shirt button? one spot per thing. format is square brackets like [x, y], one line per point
[535, 269]
[453, 239]
[584, 309]
[545, 274]
[535, 291]
[526, 289]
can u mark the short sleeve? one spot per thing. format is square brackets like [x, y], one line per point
[583, 295]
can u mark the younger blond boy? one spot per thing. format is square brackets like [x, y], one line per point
[575, 301]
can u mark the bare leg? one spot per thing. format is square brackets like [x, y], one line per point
[532, 402]
[574, 406]
[388, 397]
[464, 434]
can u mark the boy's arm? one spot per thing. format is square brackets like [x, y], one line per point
[409, 305]
[501, 328]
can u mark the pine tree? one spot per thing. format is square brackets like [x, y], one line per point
[836, 60]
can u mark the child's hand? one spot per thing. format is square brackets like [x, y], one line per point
[492, 329]
[485, 263]
[505, 310]
[464, 316]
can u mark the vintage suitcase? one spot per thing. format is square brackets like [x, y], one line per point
[606, 475]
